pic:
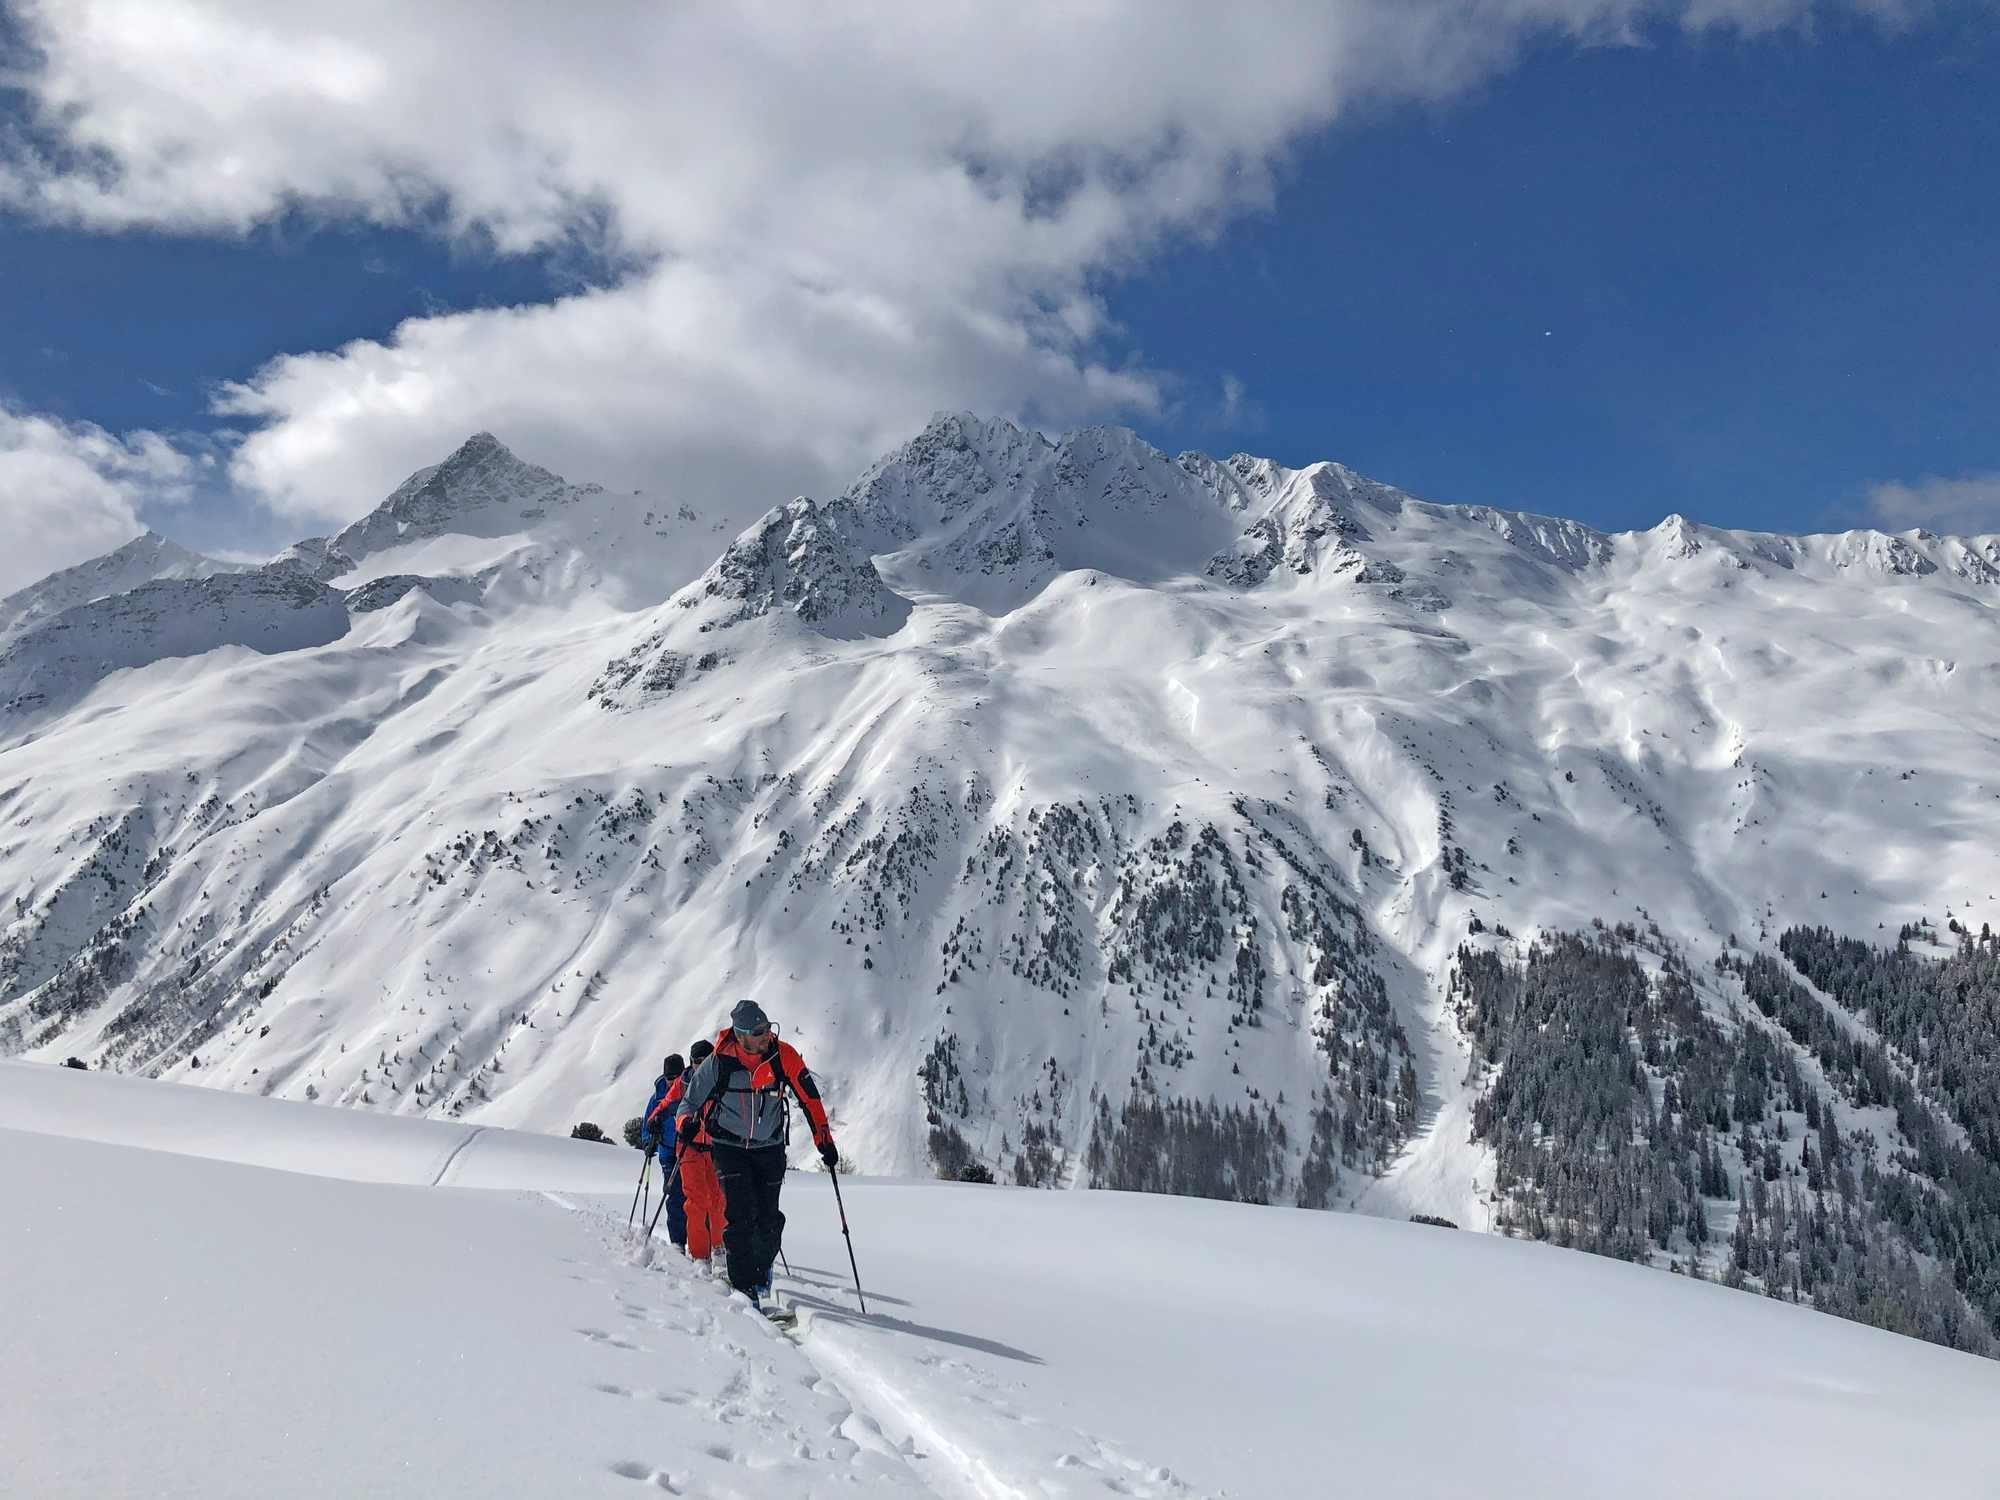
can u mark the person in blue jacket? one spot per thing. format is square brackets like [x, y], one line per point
[661, 1141]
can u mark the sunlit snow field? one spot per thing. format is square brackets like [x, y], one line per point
[218, 1295]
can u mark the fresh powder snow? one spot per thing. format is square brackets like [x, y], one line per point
[222, 1296]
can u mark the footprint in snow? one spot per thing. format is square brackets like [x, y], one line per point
[599, 1336]
[646, 1474]
[1124, 1475]
[670, 1398]
[723, 1453]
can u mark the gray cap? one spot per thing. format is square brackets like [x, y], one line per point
[748, 1015]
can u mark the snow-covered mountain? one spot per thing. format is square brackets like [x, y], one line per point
[1052, 795]
[145, 559]
[484, 525]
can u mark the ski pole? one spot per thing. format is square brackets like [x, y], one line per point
[850, 1243]
[645, 1168]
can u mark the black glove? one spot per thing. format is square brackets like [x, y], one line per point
[829, 1154]
[649, 1144]
[687, 1127]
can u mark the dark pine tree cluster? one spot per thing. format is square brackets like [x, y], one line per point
[1629, 1120]
[1193, 1148]
[1940, 1015]
[946, 1103]
[1183, 942]
[1370, 1106]
[1935, 1067]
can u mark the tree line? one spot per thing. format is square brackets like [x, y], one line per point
[1629, 1119]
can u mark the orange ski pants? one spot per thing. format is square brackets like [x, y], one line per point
[704, 1203]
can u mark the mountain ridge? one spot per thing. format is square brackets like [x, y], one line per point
[1061, 797]
[147, 558]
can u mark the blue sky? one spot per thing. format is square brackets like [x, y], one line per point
[1741, 280]
[1748, 278]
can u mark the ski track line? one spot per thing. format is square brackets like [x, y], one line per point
[691, 1289]
[477, 1131]
[869, 1390]
[974, 1468]
[971, 1474]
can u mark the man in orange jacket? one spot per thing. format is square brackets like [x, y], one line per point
[737, 1099]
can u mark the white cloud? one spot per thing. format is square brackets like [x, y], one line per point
[1959, 507]
[835, 219]
[70, 492]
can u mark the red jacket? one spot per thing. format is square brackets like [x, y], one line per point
[739, 1099]
[661, 1119]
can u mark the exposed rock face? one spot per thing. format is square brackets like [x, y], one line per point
[380, 593]
[811, 560]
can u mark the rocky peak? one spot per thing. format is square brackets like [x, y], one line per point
[808, 559]
[957, 461]
[1678, 537]
[483, 489]
[1882, 552]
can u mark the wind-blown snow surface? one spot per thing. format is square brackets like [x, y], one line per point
[1020, 772]
[217, 1296]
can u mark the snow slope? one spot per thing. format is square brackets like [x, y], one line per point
[355, 1145]
[179, 1325]
[1021, 775]
[181, 1322]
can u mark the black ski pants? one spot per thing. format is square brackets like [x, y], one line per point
[751, 1177]
[677, 1218]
